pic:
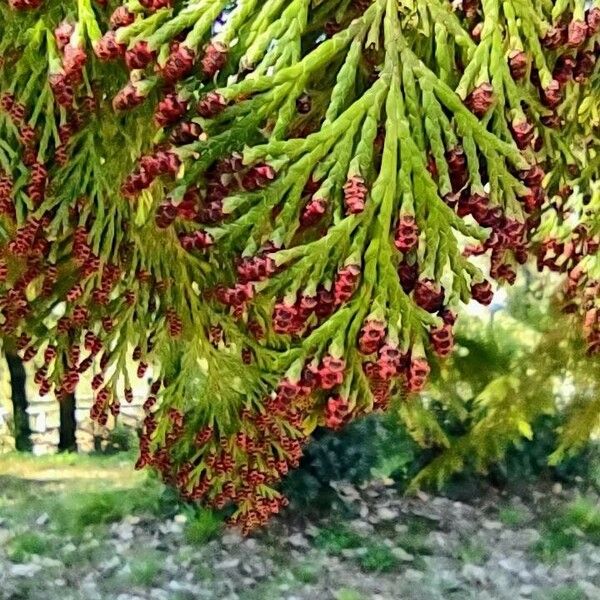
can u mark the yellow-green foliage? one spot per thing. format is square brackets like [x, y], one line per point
[504, 377]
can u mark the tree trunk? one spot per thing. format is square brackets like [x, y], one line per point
[19, 402]
[68, 425]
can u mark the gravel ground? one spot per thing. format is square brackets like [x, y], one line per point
[377, 545]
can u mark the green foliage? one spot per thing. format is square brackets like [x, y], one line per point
[376, 446]
[347, 594]
[511, 516]
[516, 401]
[564, 531]
[23, 546]
[571, 592]
[473, 553]
[202, 526]
[499, 406]
[334, 539]
[584, 514]
[146, 568]
[120, 438]
[414, 540]
[372, 556]
[204, 573]
[378, 558]
[79, 511]
[306, 572]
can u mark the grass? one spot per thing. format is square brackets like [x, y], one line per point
[91, 552]
[146, 568]
[578, 521]
[414, 540]
[567, 592]
[77, 492]
[268, 589]
[202, 526]
[511, 516]
[348, 594]
[555, 543]
[473, 553]
[306, 573]
[203, 572]
[337, 538]
[378, 559]
[79, 511]
[22, 546]
[585, 515]
[27, 465]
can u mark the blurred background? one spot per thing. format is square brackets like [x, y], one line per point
[486, 486]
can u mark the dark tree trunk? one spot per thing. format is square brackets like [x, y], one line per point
[19, 402]
[68, 425]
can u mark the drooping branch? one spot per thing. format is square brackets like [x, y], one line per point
[281, 204]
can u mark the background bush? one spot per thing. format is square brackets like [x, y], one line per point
[501, 407]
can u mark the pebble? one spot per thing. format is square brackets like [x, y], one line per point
[413, 575]
[591, 591]
[512, 565]
[440, 541]
[402, 555]
[525, 576]
[69, 548]
[42, 520]
[125, 532]
[449, 581]
[529, 535]
[230, 563]
[361, 527]
[177, 586]
[29, 570]
[47, 562]
[297, 540]
[527, 590]
[401, 528]
[181, 519]
[353, 552]
[386, 514]
[232, 538]
[346, 490]
[111, 564]
[492, 525]
[474, 574]
[250, 545]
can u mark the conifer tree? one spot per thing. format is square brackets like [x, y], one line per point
[280, 204]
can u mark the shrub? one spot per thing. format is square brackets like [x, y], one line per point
[376, 446]
[120, 438]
